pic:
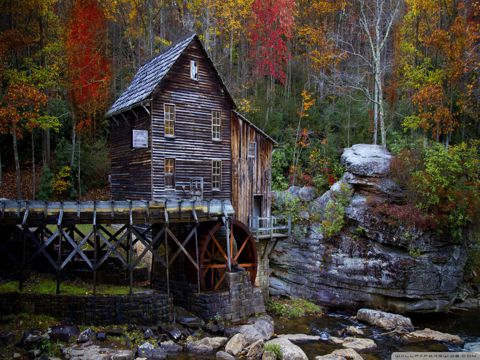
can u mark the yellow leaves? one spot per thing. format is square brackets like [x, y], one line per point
[246, 106]
[307, 102]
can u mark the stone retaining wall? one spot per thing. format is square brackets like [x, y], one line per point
[239, 301]
[149, 308]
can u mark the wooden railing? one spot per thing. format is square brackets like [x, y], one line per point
[271, 227]
[192, 189]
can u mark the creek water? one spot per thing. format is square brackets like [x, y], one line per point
[464, 324]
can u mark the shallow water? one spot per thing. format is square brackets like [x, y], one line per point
[466, 325]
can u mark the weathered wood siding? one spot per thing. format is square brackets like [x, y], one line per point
[192, 147]
[131, 168]
[251, 176]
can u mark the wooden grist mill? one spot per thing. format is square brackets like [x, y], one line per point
[190, 184]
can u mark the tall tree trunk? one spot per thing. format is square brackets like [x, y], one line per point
[74, 138]
[79, 182]
[18, 180]
[1, 173]
[33, 166]
[49, 148]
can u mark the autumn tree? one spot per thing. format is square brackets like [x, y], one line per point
[437, 52]
[89, 69]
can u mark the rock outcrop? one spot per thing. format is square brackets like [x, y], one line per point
[373, 261]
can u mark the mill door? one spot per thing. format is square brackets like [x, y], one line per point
[257, 210]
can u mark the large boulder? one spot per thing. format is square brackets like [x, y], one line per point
[236, 344]
[259, 328]
[431, 335]
[289, 350]
[375, 260]
[300, 338]
[358, 344]
[367, 160]
[384, 320]
[341, 354]
[206, 345]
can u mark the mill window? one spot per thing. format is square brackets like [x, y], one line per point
[252, 150]
[216, 174]
[193, 70]
[216, 125]
[169, 171]
[169, 117]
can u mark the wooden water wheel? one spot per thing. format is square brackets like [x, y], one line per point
[212, 247]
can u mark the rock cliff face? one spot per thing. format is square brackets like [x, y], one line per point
[372, 261]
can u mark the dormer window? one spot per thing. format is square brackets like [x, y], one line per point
[193, 70]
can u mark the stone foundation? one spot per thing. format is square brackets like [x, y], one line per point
[149, 308]
[263, 270]
[239, 301]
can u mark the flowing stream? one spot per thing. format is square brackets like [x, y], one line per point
[464, 324]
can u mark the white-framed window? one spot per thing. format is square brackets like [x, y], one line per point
[169, 171]
[216, 174]
[169, 120]
[252, 150]
[193, 70]
[216, 125]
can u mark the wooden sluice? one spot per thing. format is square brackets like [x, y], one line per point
[44, 228]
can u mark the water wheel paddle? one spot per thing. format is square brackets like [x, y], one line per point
[212, 251]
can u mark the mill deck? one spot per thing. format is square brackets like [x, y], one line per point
[110, 212]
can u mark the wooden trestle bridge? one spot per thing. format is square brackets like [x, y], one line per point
[51, 230]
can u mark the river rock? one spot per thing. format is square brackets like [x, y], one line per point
[222, 355]
[300, 338]
[306, 193]
[7, 338]
[89, 351]
[289, 350]
[269, 355]
[63, 332]
[354, 331]
[236, 344]
[170, 347]
[259, 328]
[188, 319]
[385, 320]
[354, 343]
[373, 261]
[85, 335]
[206, 345]
[255, 350]
[341, 354]
[432, 335]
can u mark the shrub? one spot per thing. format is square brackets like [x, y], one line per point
[294, 308]
[45, 190]
[62, 184]
[274, 348]
[449, 185]
[334, 218]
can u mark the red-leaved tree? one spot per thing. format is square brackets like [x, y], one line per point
[88, 70]
[271, 28]
[88, 67]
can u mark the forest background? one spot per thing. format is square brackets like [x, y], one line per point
[317, 75]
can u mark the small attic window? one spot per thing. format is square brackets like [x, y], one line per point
[193, 70]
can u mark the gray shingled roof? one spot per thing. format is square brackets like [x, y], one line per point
[148, 77]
